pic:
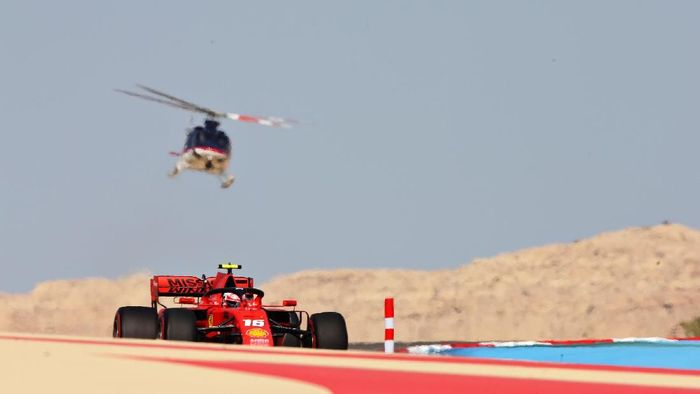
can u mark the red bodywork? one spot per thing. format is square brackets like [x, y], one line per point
[249, 323]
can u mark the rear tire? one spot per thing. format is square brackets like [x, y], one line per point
[139, 322]
[179, 325]
[290, 340]
[330, 331]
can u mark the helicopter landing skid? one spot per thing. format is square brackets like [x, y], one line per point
[177, 169]
[227, 181]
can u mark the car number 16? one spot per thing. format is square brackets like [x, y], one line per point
[254, 322]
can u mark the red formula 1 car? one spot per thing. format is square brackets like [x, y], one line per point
[226, 308]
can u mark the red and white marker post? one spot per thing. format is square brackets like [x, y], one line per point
[388, 325]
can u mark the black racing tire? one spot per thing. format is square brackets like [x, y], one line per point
[179, 325]
[139, 322]
[329, 331]
[290, 340]
[307, 340]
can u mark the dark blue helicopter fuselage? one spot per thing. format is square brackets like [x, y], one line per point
[208, 137]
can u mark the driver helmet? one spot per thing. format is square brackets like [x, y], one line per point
[231, 299]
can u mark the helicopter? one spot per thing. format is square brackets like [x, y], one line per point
[207, 148]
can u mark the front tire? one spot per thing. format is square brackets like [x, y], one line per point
[330, 331]
[139, 322]
[179, 325]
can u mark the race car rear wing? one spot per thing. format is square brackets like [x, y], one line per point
[176, 286]
[192, 286]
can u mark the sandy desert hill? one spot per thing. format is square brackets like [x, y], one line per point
[634, 282]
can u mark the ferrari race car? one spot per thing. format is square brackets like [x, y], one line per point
[227, 309]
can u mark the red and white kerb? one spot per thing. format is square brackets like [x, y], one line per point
[388, 325]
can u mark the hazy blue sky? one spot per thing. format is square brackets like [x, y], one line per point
[436, 131]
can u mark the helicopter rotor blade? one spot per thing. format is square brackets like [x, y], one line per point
[262, 120]
[155, 99]
[193, 106]
[173, 101]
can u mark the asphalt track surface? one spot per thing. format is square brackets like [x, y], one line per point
[33, 364]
